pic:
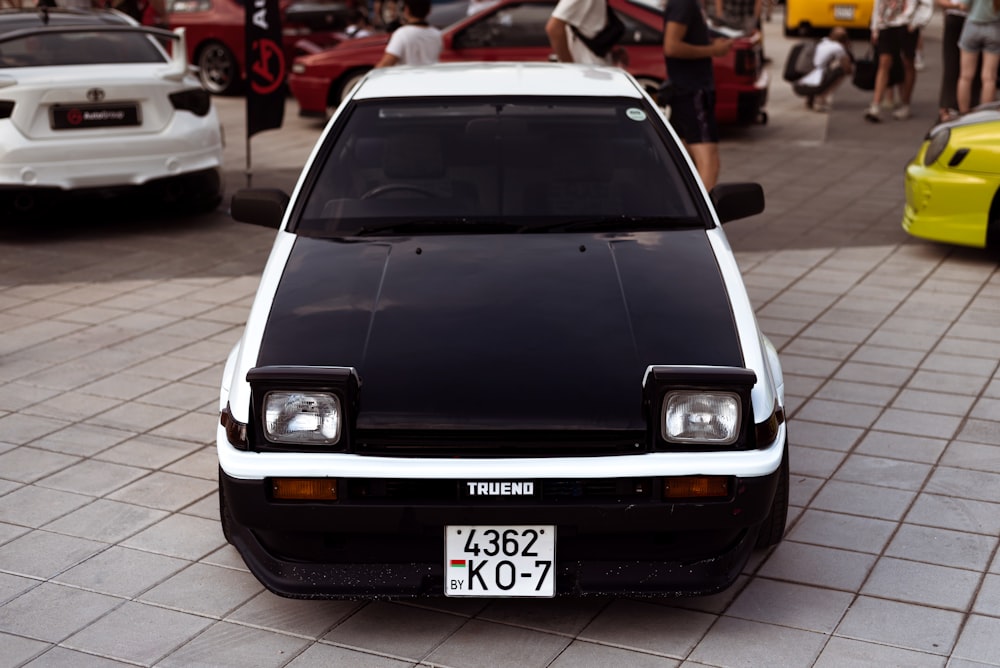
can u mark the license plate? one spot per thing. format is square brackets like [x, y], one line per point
[843, 12]
[73, 117]
[500, 561]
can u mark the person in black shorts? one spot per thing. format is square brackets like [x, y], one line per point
[689, 49]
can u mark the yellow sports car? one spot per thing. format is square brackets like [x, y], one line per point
[808, 17]
[953, 183]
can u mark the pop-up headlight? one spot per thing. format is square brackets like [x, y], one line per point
[303, 407]
[699, 407]
[302, 417]
[691, 416]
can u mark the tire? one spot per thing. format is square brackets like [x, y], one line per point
[345, 85]
[772, 529]
[218, 69]
[225, 518]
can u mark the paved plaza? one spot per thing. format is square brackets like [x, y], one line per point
[112, 339]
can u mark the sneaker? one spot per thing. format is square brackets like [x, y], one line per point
[902, 113]
[872, 115]
[918, 62]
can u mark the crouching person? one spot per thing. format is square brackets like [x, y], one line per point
[832, 63]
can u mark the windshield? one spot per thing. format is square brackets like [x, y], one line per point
[79, 47]
[439, 166]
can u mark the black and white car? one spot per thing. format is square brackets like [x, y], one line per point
[501, 347]
[93, 103]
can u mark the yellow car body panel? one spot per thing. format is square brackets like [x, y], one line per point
[954, 203]
[804, 16]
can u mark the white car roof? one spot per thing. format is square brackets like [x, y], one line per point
[465, 79]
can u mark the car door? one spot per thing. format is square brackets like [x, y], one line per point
[511, 32]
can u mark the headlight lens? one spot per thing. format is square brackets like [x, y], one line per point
[302, 417]
[701, 417]
[937, 145]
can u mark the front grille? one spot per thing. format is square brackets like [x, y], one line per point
[416, 491]
[473, 444]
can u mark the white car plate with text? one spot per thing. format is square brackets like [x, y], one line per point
[843, 12]
[501, 561]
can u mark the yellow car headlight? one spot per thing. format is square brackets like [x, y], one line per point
[936, 146]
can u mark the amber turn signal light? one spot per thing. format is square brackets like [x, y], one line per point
[305, 489]
[696, 487]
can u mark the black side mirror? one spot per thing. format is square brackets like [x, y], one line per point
[737, 200]
[259, 206]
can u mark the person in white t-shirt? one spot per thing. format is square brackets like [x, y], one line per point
[415, 42]
[832, 63]
[587, 16]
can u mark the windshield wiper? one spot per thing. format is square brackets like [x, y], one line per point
[440, 226]
[597, 223]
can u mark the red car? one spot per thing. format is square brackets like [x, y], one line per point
[514, 30]
[215, 34]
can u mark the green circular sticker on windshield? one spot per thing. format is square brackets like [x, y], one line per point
[636, 114]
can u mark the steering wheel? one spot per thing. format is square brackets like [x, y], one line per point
[387, 188]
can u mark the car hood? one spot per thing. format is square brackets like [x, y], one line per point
[373, 43]
[521, 331]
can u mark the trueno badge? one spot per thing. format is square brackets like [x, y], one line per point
[495, 488]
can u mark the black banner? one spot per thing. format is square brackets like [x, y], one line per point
[266, 66]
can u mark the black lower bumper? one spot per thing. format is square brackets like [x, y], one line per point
[389, 550]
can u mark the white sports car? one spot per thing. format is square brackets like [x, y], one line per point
[501, 347]
[92, 102]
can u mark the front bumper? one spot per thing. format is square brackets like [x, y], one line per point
[949, 205]
[394, 546]
[310, 92]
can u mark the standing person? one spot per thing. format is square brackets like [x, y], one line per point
[415, 42]
[955, 12]
[832, 63]
[588, 17]
[895, 32]
[689, 49]
[980, 35]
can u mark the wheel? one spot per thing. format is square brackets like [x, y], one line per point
[388, 188]
[346, 84]
[772, 529]
[217, 69]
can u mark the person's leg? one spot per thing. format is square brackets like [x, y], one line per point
[706, 160]
[908, 55]
[881, 85]
[947, 101]
[968, 61]
[991, 63]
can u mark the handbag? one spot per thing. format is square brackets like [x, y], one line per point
[866, 67]
[601, 43]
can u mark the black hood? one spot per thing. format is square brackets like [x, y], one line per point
[502, 331]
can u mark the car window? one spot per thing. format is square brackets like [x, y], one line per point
[502, 166]
[78, 48]
[637, 32]
[510, 26]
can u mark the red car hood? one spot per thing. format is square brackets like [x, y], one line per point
[375, 43]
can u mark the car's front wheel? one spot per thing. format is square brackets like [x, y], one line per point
[217, 69]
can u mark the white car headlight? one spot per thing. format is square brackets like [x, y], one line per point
[695, 416]
[302, 417]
